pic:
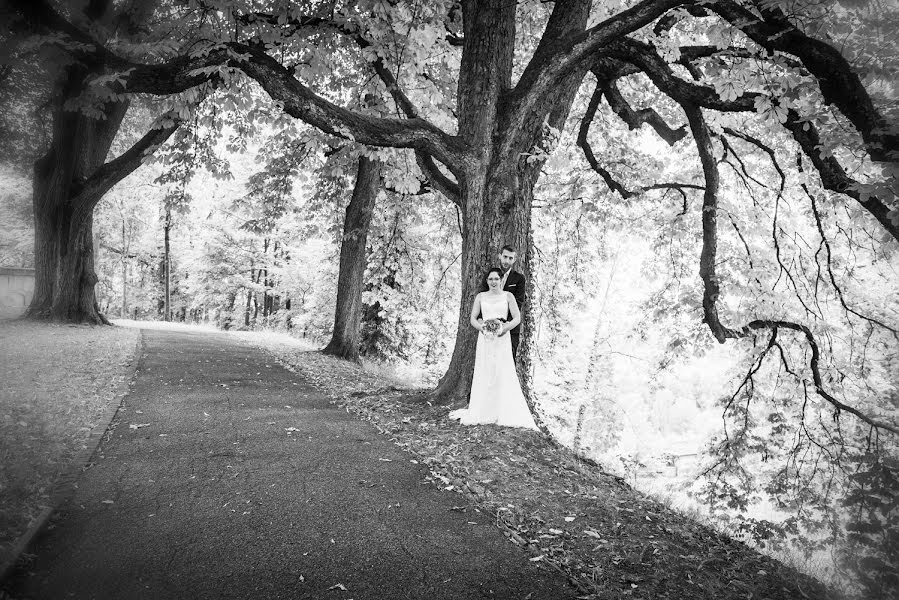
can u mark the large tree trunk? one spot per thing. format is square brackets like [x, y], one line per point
[498, 189]
[63, 241]
[348, 314]
[74, 299]
[72, 177]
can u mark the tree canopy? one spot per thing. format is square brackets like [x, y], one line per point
[768, 166]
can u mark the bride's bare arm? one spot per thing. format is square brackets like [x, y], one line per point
[516, 314]
[475, 311]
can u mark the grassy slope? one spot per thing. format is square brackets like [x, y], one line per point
[57, 382]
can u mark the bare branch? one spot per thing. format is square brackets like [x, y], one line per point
[437, 179]
[637, 118]
[711, 286]
[833, 176]
[575, 53]
[614, 185]
[764, 148]
[299, 101]
[833, 280]
[588, 151]
[112, 172]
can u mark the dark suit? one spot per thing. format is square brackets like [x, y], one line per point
[515, 284]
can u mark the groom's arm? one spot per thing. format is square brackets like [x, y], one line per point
[518, 291]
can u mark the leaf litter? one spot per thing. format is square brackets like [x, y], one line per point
[607, 539]
[61, 382]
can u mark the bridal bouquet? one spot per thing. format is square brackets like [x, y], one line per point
[491, 327]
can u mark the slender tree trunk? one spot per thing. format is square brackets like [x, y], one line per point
[348, 314]
[124, 274]
[167, 264]
[264, 275]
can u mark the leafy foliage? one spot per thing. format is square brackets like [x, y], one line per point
[769, 162]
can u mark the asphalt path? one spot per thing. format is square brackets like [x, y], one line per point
[226, 476]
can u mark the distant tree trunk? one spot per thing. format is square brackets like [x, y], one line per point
[167, 264]
[348, 314]
[264, 275]
[124, 311]
[246, 311]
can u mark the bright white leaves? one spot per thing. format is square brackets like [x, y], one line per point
[771, 108]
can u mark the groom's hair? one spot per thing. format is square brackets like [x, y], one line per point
[508, 248]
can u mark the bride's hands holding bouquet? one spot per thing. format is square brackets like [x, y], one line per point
[492, 328]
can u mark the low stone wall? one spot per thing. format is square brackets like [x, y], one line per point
[16, 289]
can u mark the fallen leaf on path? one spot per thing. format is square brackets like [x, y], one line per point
[107, 502]
[338, 586]
[138, 425]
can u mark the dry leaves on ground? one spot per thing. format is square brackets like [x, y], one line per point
[58, 384]
[609, 540]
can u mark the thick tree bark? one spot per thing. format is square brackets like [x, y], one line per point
[63, 244]
[498, 187]
[348, 314]
[72, 177]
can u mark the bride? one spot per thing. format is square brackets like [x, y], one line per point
[495, 391]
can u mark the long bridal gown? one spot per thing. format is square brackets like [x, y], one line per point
[496, 396]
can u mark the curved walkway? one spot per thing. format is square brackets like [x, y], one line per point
[226, 476]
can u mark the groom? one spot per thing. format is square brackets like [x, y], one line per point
[512, 281]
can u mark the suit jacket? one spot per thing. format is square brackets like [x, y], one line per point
[515, 284]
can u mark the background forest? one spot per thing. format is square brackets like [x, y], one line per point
[238, 218]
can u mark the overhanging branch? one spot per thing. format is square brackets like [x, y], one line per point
[637, 118]
[711, 286]
[832, 174]
[437, 179]
[839, 83]
[584, 143]
[183, 72]
[112, 172]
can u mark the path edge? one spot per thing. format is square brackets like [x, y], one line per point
[64, 488]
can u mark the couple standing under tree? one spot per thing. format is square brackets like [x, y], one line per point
[496, 395]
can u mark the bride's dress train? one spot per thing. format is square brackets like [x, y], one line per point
[496, 396]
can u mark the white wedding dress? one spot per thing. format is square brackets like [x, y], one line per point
[496, 396]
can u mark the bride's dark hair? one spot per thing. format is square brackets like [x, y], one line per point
[496, 270]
